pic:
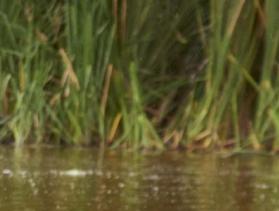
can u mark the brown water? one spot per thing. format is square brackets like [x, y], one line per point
[79, 180]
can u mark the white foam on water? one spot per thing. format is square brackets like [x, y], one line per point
[75, 173]
[7, 172]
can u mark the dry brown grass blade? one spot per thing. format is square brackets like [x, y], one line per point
[177, 138]
[173, 139]
[69, 73]
[115, 10]
[41, 37]
[203, 135]
[234, 19]
[123, 19]
[106, 88]
[160, 112]
[261, 13]
[114, 127]
[53, 101]
[36, 121]
[254, 141]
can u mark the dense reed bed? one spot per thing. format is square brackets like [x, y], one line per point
[151, 74]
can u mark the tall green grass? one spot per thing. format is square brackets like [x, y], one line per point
[140, 74]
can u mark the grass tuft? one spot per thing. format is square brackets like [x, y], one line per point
[144, 74]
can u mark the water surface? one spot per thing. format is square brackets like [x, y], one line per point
[82, 179]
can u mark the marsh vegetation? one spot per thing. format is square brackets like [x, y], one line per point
[195, 74]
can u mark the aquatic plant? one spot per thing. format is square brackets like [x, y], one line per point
[140, 74]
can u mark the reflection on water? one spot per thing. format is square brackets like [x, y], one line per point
[78, 179]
